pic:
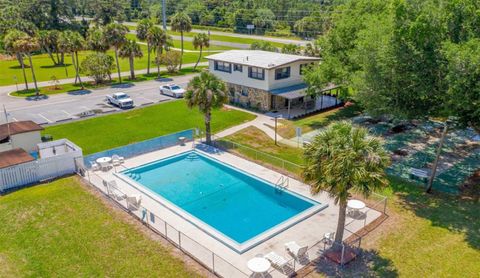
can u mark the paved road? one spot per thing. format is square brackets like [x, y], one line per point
[71, 106]
[272, 39]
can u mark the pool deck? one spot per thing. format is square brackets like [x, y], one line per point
[307, 232]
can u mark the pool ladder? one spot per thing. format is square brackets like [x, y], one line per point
[282, 183]
[134, 176]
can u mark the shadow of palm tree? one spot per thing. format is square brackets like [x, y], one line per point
[368, 264]
[442, 210]
[79, 92]
[35, 98]
[123, 85]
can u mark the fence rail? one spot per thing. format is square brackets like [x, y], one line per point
[285, 167]
[203, 255]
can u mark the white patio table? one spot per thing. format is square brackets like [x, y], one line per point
[259, 266]
[104, 162]
[355, 205]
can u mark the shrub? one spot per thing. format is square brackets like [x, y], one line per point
[171, 59]
[98, 66]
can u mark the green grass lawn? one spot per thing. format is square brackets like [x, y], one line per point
[424, 236]
[61, 230]
[44, 69]
[223, 38]
[188, 45]
[106, 132]
[64, 88]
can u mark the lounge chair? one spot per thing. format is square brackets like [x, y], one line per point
[278, 262]
[117, 160]
[133, 202]
[296, 250]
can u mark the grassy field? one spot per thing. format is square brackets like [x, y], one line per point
[188, 45]
[61, 230]
[424, 236]
[64, 88]
[287, 129]
[223, 38]
[115, 130]
[44, 69]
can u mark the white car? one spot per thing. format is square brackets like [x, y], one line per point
[121, 100]
[172, 90]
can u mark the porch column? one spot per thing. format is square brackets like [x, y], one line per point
[336, 97]
[289, 108]
[321, 101]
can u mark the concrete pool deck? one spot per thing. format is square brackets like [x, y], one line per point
[309, 232]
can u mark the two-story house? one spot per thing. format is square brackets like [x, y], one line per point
[267, 81]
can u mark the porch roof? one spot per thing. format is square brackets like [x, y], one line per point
[291, 92]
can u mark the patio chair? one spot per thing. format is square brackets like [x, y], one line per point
[328, 238]
[117, 160]
[94, 166]
[133, 202]
[114, 191]
[278, 262]
[296, 250]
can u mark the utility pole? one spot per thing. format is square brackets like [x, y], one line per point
[164, 15]
[437, 158]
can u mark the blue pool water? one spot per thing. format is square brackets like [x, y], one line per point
[234, 203]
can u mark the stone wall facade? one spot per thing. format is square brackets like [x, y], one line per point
[250, 97]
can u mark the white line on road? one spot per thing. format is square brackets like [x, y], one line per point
[68, 114]
[45, 118]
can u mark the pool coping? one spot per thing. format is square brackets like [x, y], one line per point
[209, 230]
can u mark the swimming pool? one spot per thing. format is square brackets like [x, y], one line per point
[242, 209]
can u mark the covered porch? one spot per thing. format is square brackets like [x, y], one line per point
[293, 102]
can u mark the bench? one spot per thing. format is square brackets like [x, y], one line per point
[419, 174]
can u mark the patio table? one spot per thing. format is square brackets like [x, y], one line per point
[259, 266]
[104, 162]
[355, 206]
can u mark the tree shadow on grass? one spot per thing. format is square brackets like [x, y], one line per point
[55, 66]
[368, 264]
[443, 210]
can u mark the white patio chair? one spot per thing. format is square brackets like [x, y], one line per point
[117, 160]
[115, 192]
[94, 166]
[133, 202]
[329, 237]
[278, 262]
[296, 250]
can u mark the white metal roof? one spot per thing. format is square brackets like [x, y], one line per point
[258, 58]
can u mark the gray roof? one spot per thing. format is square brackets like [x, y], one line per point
[258, 58]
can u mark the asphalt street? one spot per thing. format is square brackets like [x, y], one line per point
[70, 106]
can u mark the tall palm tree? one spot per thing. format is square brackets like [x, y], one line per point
[206, 92]
[181, 22]
[131, 49]
[28, 44]
[158, 40]
[96, 40]
[9, 44]
[142, 32]
[49, 42]
[200, 40]
[72, 42]
[344, 159]
[115, 35]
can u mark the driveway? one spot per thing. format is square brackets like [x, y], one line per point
[70, 106]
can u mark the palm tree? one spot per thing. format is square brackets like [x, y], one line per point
[130, 50]
[27, 44]
[72, 42]
[207, 92]
[158, 40]
[200, 40]
[181, 22]
[49, 42]
[115, 35]
[343, 159]
[142, 32]
[96, 40]
[9, 44]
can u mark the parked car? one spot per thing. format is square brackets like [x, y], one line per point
[121, 100]
[172, 90]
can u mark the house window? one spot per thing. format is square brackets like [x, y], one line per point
[256, 73]
[223, 66]
[237, 67]
[282, 73]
